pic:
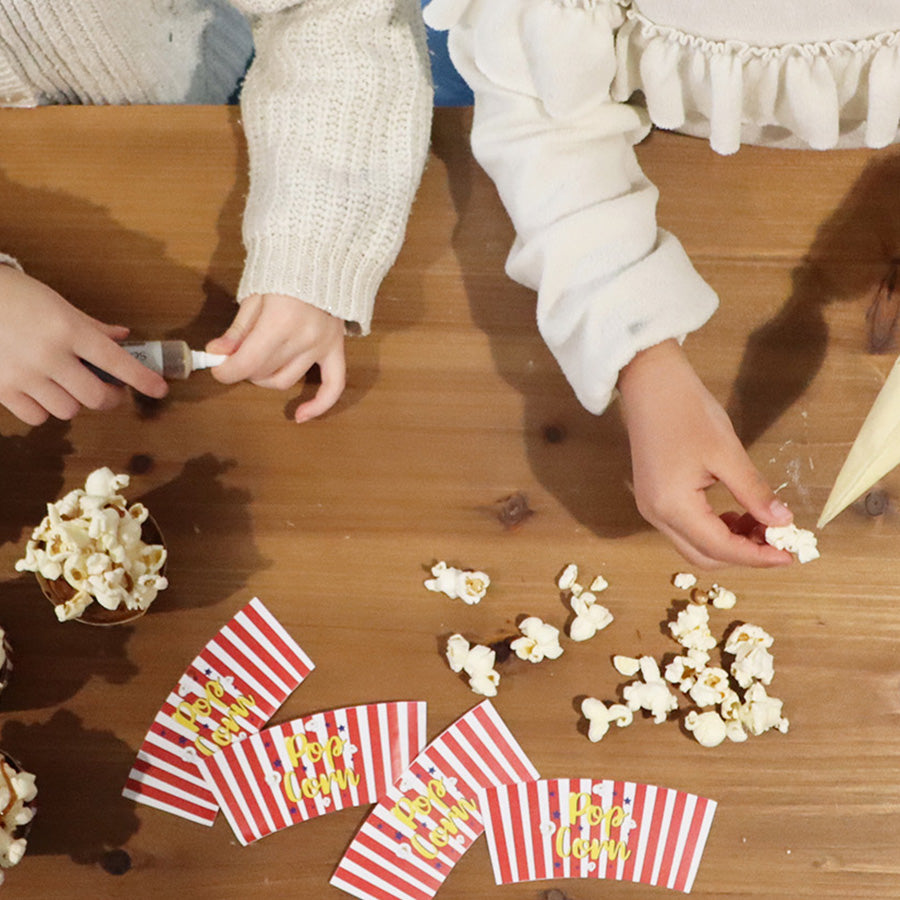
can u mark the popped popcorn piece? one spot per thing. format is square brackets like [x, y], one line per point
[691, 628]
[722, 598]
[568, 578]
[708, 728]
[710, 687]
[626, 665]
[17, 793]
[476, 661]
[457, 651]
[752, 660]
[652, 693]
[683, 670]
[92, 539]
[458, 584]
[760, 712]
[599, 584]
[590, 617]
[600, 716]
[799, 541]
[538, 640]
[684, 581]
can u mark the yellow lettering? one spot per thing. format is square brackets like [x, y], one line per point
[185, 716]
[421, 849]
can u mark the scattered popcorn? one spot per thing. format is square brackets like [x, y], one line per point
[590, 617]
[708, 728]
[760, 712]
[17, 794]
[91, 538]
[476, 661]
[799, 541]
[722, 598]
[752, 660]
[600, 717]
[538, 640]
[683, 670]
[684, 581]
[691, 628]
[710, 687]
[599, 584]
[626, 665]
[458, 584]
[568, 578]
[652, 693]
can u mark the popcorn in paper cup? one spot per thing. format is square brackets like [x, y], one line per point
[313, 766]
[96, 558]
[18, 792]
[580, 828]
[429, 817]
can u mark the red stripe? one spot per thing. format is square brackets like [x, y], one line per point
[264, 662]
[229, 799]
[637, 813]
[615, 835]
[369, 890]
[174, 756]
[653, 838]
[144, 790]
[493, 818]
[538, 838]
[414, 881]
[291, 653]
[691, 849]
[671, 844]
[268, 790]
[263, 706]
[510, 751]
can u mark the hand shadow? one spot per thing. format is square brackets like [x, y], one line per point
[853, 253]
[79, 775]
[31, 469]
[209, 527]
[582, 459]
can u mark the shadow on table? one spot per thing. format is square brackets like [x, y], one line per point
[210, 525]
[80, 773]
[582, 459]
[31, 470]
[854, 250]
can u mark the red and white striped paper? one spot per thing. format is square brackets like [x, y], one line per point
[229, 691]
[313, 766]
[579, 828]
[429, 818]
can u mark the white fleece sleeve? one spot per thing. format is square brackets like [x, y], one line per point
[336, 109]
[610, 282]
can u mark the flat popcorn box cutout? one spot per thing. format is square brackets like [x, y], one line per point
[429, 818]
[313, 765]
[875, 452]
[581, 828]
[230, 690]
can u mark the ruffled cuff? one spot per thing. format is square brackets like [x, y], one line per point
[7, 260]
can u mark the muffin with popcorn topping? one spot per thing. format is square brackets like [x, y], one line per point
[97, 558]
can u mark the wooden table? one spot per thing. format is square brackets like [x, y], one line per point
[453, 406]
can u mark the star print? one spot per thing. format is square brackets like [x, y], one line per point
[293, 810]
[556, 814]
[380, 826]
[342, 728]
[628, 799]
[278, 763]
[398, 836]
[182, 740]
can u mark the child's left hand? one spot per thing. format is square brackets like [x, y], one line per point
[274, 340]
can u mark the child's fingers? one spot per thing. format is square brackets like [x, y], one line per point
[333, 369]
[25, 409]
[242, 324]
[751, 490]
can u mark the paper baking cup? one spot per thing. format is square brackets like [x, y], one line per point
[416, 834]
[231, 690]
[313, 766]
[580, 828]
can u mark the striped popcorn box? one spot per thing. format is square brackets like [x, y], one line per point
[230, 690]
[314, 765]
[580, 828]
[429, 818]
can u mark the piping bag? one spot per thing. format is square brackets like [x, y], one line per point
[171, 359]
[874, 453]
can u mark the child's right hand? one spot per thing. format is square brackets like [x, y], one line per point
[682, 442]
[43, 340]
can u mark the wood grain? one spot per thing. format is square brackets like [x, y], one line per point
[453, 404]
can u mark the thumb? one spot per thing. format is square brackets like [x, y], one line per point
[750, 489]
[240, 327]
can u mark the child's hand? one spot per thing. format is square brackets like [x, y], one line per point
[43, 340]
[274, 340]
[682, 442]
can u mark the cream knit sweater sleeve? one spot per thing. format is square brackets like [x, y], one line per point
[336, 109]
[610, 282]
